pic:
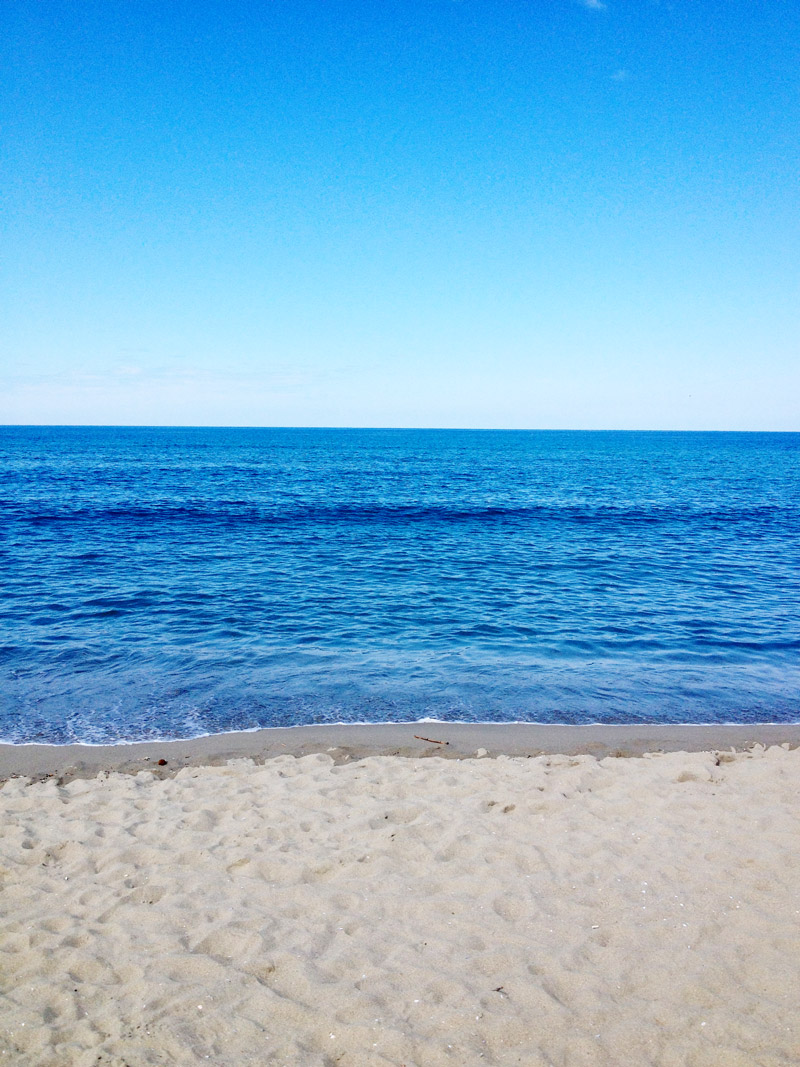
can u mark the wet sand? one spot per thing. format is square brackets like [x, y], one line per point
[344, 742]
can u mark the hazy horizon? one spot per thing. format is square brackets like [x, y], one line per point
[398, 429]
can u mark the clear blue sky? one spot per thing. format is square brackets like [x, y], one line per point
[486, 213]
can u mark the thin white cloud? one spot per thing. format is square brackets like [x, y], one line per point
[594, 5]
[621, 75]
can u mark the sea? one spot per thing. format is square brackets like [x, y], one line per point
[161, 583]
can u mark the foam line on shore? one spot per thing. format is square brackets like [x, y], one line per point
[348, 742]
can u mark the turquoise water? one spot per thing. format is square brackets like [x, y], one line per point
[175, 582]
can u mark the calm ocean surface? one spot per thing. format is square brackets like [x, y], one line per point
[176, 582]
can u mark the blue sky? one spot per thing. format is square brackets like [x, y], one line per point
[483, 213]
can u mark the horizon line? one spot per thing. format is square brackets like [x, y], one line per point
[399, 429]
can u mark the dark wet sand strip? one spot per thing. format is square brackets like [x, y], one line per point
[349, 742]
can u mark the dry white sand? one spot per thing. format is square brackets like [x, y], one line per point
[549, 910]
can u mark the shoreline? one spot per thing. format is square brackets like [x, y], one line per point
[346, 742]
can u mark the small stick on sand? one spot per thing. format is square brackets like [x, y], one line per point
[430, 740]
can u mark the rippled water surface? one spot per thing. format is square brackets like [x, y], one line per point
[163, 582]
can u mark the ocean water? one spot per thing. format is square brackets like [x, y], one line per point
[175, 582]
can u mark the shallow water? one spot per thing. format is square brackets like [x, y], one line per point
[174, 582]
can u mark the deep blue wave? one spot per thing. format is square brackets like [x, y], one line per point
[236, 511]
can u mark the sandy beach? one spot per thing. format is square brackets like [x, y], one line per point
[345, 903]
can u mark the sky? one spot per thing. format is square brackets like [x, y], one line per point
[452, 213]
